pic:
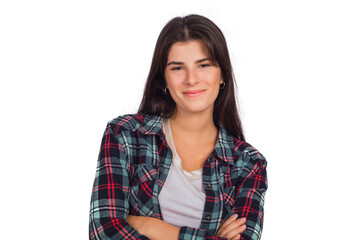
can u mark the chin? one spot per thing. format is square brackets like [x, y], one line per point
[196, 109]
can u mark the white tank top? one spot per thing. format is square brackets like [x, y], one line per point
[182, 197]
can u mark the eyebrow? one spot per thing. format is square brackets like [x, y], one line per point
[181, 63]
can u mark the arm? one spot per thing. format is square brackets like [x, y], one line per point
[250, 191]
[109, 200]
[156, 229]
[249, 202]
[250, 194]
[153, 228]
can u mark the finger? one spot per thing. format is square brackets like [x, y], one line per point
[233, 228]
[227, 222]
[234, 224]
[235, 232]
[242, 229]
[241, 220]
[231, 219]
[237, 237]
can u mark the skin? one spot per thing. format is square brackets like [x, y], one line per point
[189, 68]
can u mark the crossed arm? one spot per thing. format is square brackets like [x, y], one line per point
[109, 202]
[156, 229]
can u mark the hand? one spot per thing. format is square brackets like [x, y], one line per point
[232, 228]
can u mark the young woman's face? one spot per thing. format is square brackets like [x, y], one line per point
[192, 79]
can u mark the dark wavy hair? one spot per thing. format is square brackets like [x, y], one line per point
[181, 29]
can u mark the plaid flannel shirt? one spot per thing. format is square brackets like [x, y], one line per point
[133, 164]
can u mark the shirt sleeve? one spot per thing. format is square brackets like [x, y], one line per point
[196, 234]
[109, 201]
[250, 195]
[249, 200]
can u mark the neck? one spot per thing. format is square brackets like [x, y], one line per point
[195, 126]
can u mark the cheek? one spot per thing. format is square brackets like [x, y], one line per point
[173, 81]
[211, 74]
[212, 78]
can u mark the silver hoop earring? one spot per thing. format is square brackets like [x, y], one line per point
[222, 85]
[166, 90]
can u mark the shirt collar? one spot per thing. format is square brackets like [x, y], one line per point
[151, 125]
[224, 148]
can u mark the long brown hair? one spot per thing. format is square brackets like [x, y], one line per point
[180, 29]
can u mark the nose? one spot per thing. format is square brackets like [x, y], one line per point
[191, 77]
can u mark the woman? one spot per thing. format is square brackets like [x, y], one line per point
[180, 168]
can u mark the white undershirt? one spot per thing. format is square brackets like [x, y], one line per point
[182, 197]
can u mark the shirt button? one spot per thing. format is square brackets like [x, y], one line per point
[208, 186]
[208, 216]
[135, 180]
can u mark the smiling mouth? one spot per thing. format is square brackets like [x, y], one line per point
[194, 93]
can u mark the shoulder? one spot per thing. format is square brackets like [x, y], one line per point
[248, 154]
[236, 151]
[131, 123]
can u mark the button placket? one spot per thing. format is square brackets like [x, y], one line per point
[212, 210]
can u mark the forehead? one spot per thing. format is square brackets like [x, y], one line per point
[189, 50]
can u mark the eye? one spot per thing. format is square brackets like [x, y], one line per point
[204, 65]
[176, 68]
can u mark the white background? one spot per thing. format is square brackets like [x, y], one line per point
[68, 67]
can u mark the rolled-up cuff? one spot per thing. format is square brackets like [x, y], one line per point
[188, 233]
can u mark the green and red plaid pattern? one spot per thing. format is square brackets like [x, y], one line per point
[133, 164]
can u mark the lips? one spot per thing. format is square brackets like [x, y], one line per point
[194, 93]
